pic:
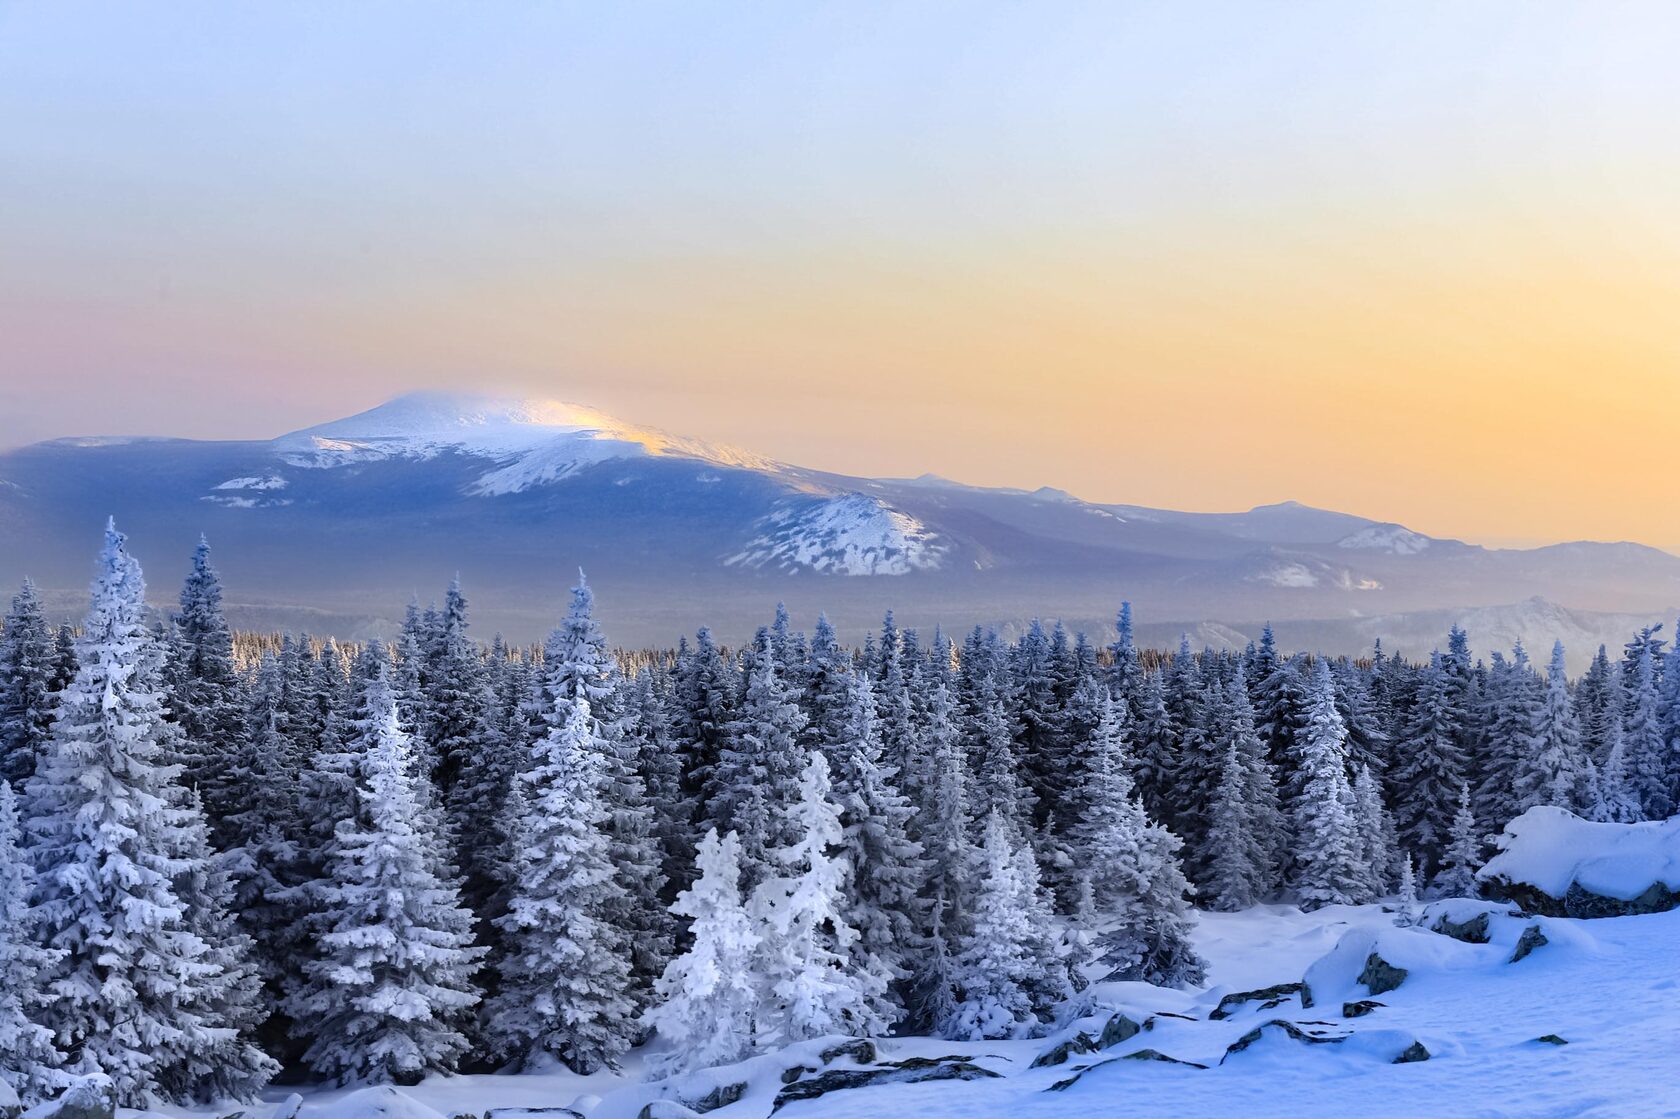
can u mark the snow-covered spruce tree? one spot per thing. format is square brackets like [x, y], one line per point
[1040, 739]
[1133, 885]
[578, 665]
[1328, 853]
[1457, 877]
[647, 726]
[708, 998]
[998, 785]
[827, 696]
[1555, 771]
[138, 994]
[703, 711]
[1376, 833]
[1597, 707]
[993, 975]
[1368, 741]
[204, 690]
[1431, 766]
[1644, 741]
[942, 822]
[1614, 801]
[457, 700]
[1154, 747]
[895, 716]
[566, 976]
[1406, 909]
[26, 686]
[391, 982]
[884, 867]
[813, 983]
[28, 1061]
[1512, 704]
[1279, 693]
[756, 779]
[478, 804]
[1238, 865]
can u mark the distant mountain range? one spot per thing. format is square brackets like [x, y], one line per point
[335, 527]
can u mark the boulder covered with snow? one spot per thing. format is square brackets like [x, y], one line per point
[1553, 862]
[10, 1105]
[381, 1102]
[88, 1097]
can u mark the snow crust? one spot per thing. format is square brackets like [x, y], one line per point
[853, 534]
[533, 442]
[1550, 848]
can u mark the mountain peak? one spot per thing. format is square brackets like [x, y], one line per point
[535, 440]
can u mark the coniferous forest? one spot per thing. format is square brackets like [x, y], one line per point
[229, 858]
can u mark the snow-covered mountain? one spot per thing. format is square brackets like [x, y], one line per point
[334, 527]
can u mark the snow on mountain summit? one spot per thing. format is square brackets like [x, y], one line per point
[533, 441]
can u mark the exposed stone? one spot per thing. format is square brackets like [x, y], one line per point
[721, 1096]
[789, 1075]
[532, 1113]
[1473, 931]
[1361, 1008]
[1290, 1029]
[861, 1050]
[1551, 1039]
[1268, 997]
[1119, 1028]
[915, 1070]
[1059, 1053]
[1412, 1053]
[1380, 976]
[1157, 1055]
[1581, 903]
[1530, 939]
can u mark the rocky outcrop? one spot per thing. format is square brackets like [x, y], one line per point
[90, 1097]
[1267, 997]
[913, 1070]
[1530, 939]
[1412, 1054]
[1361, 1008]
[1473, 931]
[1119, 1028]
[1380, 976]
[1290, 1030]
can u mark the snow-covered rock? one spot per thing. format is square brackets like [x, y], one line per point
[853, 534]
[89, 1097]
[1554, 862]
[380, 1102]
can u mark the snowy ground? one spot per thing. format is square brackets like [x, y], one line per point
[1607, 987]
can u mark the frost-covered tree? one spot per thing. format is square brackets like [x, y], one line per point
[1432, 766]
[942, 823]
[138, 994]
[703, 711]
[26, 686]
[566, 987]
[1238, 866]
[708, 998]
[1406, 909]
[204, 690]
[1555, 771]
[884, 866]
[813, 983]
[1644, 741]
[1328, 853]
[1457, 877]
[28, 1061]
[756, 778]
[1614, 801]
[1377, 841]
[390, 987]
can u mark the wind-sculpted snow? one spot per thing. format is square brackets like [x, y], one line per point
[1552, 850]
[853, 534]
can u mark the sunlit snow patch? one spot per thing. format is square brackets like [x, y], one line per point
[854, 534]
[1393, 539]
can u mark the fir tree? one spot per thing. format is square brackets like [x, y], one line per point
[138, 993]
[1645, 742]
[204, 689]
[566, 986]
[1329, 868]
[708, 1000]
[813, 987]
[1457, 878]
[1376, 833]
[1406, 911]
[28, 1060]
[1555, 771]
[26, 686]
[390, 986]
[1431, 770]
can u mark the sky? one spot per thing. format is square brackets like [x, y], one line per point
[1416, 261]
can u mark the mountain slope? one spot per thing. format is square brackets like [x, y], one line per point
[350, 518]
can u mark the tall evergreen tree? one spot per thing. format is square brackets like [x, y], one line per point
[1648, 763]
[204, 689]
[1431, 768]
[387, 994]
[26, 686]
[136, 994]
[813, 984]
[1329, 868]
[1457, 877]
[1555, 770]
[28, 1060]
[708, 1001]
